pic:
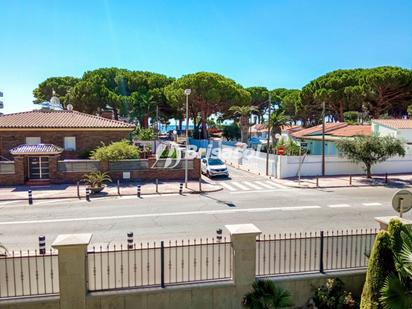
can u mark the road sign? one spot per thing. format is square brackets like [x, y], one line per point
[402, 201]
[281, 150]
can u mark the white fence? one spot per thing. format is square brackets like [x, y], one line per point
[312, 166]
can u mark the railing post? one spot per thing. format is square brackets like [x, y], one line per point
[72, 263]
[321, 252]
[162, 264]
[78, 189]
[243, 238]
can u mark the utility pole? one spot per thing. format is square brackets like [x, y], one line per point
[187, 93]
[323, 138]
[268, 138]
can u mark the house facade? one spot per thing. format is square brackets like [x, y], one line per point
[399, 128]
[333, 131]
[36, 140]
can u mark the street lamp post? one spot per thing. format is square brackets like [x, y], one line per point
[323, 138]
[187, 93]
[268, 137]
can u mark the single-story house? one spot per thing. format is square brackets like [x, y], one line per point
[333, 131]
[36, 138]
[399, 128]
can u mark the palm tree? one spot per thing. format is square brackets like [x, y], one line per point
[243, 112]
[397, 289]
[265, 295]
[278, 120]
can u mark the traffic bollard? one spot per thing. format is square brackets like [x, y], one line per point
[350, 180]
[130, 240]
[181, 189]
[42, 244]
[118, 187]
[30, 197]
[78, 190]
[386, 178]
[157, 185]
[139, 190]
[219, 234]
[317, 181]
[88, 194]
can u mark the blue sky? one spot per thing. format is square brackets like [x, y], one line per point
[278, 43]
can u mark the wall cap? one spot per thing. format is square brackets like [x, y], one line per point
[72, 240]
[242, 229]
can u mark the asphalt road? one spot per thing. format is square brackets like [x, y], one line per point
[246, 198]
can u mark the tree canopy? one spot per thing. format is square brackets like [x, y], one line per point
[61, 86]
[370, 150]
[210, 93]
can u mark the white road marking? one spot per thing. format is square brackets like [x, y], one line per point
[371, 204]
[239, 185]
[251, 184]
[229, 187]
[258, 191]
[261, 183]
[167, 214]
[276, 185]
[131, 197]
[9, 202]
[339, 206]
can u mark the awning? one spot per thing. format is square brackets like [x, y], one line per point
[39, 149]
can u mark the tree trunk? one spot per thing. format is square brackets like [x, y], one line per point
[145, 123]
[180, 124]
[115, 114]
[368, 171]
[204, 126]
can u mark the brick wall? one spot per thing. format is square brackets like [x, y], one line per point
[18, 177]
[85, 140]
[149, 174]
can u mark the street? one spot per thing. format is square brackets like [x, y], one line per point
[246, 198]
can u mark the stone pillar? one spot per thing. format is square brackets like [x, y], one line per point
[20, 170]
[72, 269]
[53, 168]
[243, 237]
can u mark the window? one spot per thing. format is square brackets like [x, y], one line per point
[33, 140]
[70, 143]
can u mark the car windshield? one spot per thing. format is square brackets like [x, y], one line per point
[215, 162]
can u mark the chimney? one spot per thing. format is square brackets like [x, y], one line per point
[106, 114]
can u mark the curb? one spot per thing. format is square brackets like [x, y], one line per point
[113, 195]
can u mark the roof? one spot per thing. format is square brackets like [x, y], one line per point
[318, 129]
[36, 149]
[259, 127]
[335, 130]
[291, 128]
[395, 123]
[54, 119]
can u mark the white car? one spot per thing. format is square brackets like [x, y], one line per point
[214, 167]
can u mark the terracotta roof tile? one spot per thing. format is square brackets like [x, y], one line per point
[352, 130]
[59, 120]
[328, 127]
[395, 123]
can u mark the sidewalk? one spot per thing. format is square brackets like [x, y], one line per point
[395, 181]
[70, 191]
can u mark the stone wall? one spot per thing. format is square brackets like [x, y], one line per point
[18, 177]
[85, 140]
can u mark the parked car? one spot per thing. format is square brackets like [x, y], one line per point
[214, 167]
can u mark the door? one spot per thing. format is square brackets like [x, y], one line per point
[38, 168]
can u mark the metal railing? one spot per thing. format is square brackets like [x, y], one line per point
[28, 274]
[158, 264]
[313, 252]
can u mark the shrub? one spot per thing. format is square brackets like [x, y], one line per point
[351, 117]
[265, 294]
[145, 134]
[96, 179]
[231, 132]
[380, 265]
[115, 151]
[332, 295]
[291, 147]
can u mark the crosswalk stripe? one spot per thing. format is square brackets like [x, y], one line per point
[261, 183]
[275, 185]
[236, 184]
[229, 187]
[250, 184]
